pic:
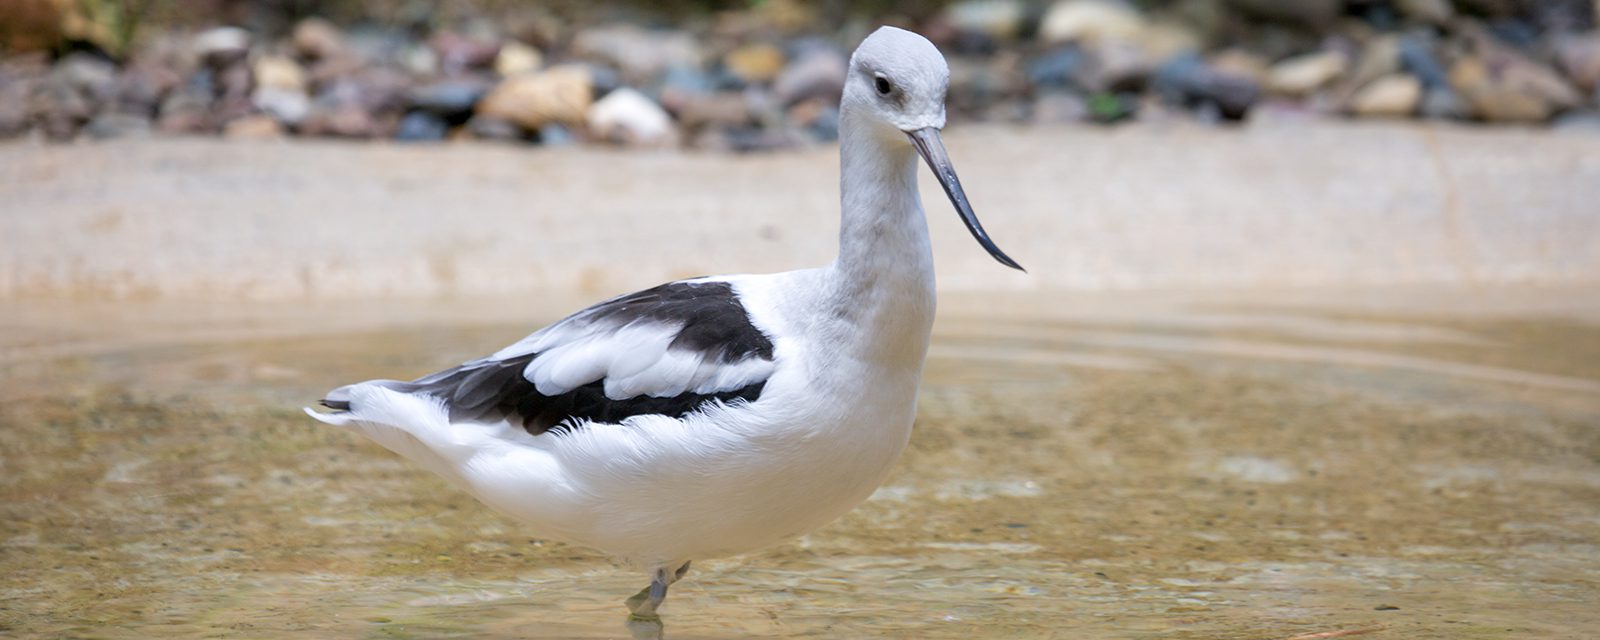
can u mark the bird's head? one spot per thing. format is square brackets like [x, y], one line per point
[898, 80]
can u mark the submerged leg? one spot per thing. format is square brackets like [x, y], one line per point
[644, 603]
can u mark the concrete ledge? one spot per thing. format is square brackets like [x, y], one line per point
[1273, 205]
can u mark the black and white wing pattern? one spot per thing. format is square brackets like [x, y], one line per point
[667, 350]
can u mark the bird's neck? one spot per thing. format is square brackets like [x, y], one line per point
[883, 279]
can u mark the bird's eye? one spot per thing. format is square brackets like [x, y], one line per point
[883, 85]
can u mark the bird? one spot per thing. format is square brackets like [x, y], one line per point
[718, 415]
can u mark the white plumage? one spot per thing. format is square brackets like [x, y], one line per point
[713, 416]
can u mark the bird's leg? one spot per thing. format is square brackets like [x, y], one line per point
[644, 604]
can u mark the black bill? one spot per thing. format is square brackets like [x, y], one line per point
[931, 147]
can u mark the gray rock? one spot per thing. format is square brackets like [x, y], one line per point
[1435, 12]
[222, 46]
[1061, 68]
[1579, 57]
[188, 108]
[820, 74]
[1443, 103]
[452, 99]
[1059, 107]
[285, 105]
[491, 128]
[1585, 121]
[1316, 14]
[640, 54]
[556, 135]
[999, 19]
[1187, 81]
[1417, 58]
[421, 126]
[118, 125]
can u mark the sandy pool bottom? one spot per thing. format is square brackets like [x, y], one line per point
[1189, 469]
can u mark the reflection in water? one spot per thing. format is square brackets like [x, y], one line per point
[1212, 475]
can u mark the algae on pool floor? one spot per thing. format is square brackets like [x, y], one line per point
[1226, 471]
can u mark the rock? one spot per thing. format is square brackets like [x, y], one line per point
[819, 73]
[421, 126]
[90, 75]
[1380, 57]
[1318, 15]
[1435, 12]
[1059, 107]
[755, 62]
[1392, 96]
[1443, 103]
[723, 109]
[316, 39]
[628, 117]
[555, 135]
[222, 46]
[141, 87]
[452, 99]
[1305, 74]
[1579, 57]
[461, 52]
[1164, 39]
[516, 58]
[1579, 121]
[1089, 21]
[1492, 100]
[1061, 68]
[278, 72]
[998, 19]
[491, 128]
[641, 55]
[819, 120]
[1187, 81]
[340, 121]
[187, 109]
[560, 94]
[1119, 66]
[118, 125]
[1507, 88]
[1241, 63]
[418, 60]
[286, 105]
[258, 127]
[1417, 58]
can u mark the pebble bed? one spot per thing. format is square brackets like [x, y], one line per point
[769, 76]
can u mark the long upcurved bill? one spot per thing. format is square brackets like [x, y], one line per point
[931, 147]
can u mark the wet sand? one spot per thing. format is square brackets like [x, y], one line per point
[1199, 417]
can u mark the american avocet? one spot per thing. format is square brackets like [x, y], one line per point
[713, 416]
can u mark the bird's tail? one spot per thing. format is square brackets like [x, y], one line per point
[416, 426]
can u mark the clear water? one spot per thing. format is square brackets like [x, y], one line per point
[1189, 471]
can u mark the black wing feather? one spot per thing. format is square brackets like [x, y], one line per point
[712, 321]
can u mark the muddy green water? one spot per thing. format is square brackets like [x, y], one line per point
[1207, 471]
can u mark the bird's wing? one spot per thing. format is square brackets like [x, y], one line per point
[667, 350]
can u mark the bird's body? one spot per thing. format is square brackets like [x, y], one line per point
[713, 416]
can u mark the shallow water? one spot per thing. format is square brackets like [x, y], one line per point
[1192, 469]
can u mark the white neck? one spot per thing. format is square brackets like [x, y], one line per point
[882, 282]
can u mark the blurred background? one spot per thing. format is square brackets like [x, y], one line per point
[1309, 345]
[764, 75]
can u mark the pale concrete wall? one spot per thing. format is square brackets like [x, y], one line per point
[1272, 205]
